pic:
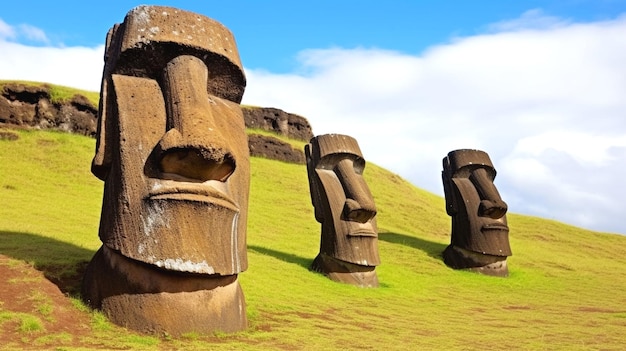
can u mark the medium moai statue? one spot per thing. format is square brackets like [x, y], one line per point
[480, 234]
[173, 154]
[345, 208]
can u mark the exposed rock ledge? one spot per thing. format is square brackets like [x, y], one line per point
[32, 107]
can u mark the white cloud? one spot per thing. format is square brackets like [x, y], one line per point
[544, 97]
[78, 67]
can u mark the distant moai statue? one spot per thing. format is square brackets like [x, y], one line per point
[173, 154]
[345, 208]
[480, 234]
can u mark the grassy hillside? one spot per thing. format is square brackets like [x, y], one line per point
[566, 290]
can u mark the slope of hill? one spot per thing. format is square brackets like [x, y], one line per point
[566, 289]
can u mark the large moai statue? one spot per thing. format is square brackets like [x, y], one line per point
[172, 152]
[345, 208]
[480, 234]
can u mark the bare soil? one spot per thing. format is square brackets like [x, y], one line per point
[25, 291]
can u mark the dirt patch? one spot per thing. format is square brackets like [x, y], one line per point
[513, 307]
[34, 313]
[598, 310]
[7, 135]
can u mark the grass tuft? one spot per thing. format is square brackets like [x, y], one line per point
[30, 323]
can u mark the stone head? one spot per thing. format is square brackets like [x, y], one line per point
[171, 143]
[479, 226]
[342, 200]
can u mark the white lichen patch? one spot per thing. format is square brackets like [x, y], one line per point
[185, 266]
[234, 243]
[152, 218]
[141, 14]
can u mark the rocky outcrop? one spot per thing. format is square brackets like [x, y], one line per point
[274, 148]
[281, 123]
[278, 121]
[32, 106]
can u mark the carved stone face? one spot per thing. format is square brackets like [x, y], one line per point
[342, 200]
[172, 147]
[478, 213]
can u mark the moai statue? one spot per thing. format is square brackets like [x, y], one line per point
[345, 208]
[480, 235]
[172, 152]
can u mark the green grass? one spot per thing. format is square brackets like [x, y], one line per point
[565, 290]
[26, 322]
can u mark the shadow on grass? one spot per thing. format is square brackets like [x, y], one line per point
[283, 256]
[62, 263]
[431, 248]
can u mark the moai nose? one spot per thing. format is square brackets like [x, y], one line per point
[491, 204]
[359, 205]
[193, 146]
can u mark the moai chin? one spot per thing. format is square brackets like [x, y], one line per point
[480, 234]
[345, 208]
[173, 154]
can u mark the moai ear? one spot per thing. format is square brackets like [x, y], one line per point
[313, 187]
[446, 177]
[101, 163]
[102, 160]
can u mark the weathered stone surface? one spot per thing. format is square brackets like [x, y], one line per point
[31, 106]
[279, 121]
[172, 150]
[273, 148]
[345, 207]
[480, 234]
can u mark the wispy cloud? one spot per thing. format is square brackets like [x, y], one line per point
[6, 31]
[21, 32]
[531, 19]
[33, 33]
[543, 96]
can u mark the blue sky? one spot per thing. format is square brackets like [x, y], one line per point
[539, 85]
[271, 33]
